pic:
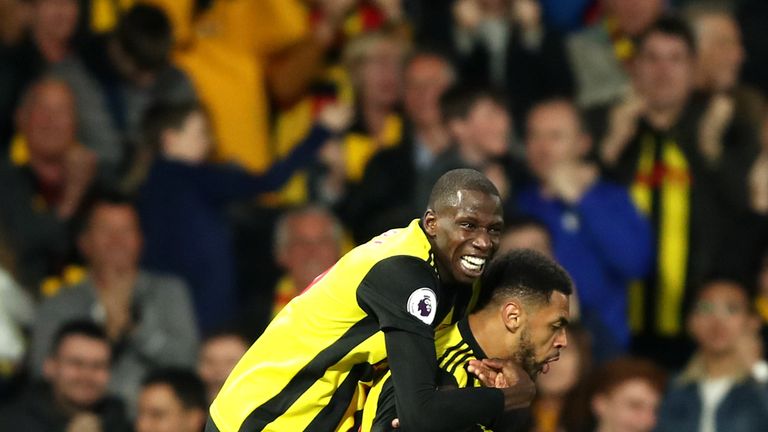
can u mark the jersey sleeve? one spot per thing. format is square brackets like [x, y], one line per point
[403, 294]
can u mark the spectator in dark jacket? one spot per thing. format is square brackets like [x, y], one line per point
[183, 200]
[718, 390]
[42, 188]
[598, 234]
[74, 394]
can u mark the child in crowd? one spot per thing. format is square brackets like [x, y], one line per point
[183, 198]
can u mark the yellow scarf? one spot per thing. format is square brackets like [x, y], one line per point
[669, 178]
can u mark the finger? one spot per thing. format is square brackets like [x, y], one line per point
[493, 363]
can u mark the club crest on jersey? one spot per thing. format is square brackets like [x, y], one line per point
[423, 305]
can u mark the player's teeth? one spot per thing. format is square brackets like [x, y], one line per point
[475, 260]
[472, 264]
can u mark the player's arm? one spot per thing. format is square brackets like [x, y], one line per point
[392, 293]
[421, 406]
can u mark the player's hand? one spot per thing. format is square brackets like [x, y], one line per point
[519, 389]
[396, 423]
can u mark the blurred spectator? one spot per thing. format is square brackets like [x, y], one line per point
[219, 353]
[172, 400]
[566, 16]
[73, 397]
[598, 234]
[308, 242]
[183, 201]
[374, 62]
[242, 52]
[761, 298]
[720, 55]
[43, 188]
[752, 15]
[525, 232]
[662, 141]
[345, 21]
[505, 44]
[561, 394]
[384, 201]
[148, 317]
[17, 311]
[626, 395]
[15, 16]
[117, 77]
[481, 134]
[716, 391]
[46, 42]
[601, 53]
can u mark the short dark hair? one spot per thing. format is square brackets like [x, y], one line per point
[185, 384]
[224, 334]
[578, 114]
[459, 179]
[458, 101]
[616, 372]
[85, 328]
[145, 35]
[163, 116]
[671, 25]
[520, 221]
[105, 195]
[524, 274]
[727, 279]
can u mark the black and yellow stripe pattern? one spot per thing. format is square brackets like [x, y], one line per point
[455, 346]
[312, 367]
[661, 190]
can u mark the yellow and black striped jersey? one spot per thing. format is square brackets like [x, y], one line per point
[312, 367]
[455, 346]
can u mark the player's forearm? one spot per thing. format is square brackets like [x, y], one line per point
[449, 410]
[420, 405]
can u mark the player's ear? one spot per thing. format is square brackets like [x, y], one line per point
[430, 222]
[512, 313]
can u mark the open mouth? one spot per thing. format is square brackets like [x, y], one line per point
[472, 265]
[545, 367]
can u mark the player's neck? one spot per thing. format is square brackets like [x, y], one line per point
[484, 327]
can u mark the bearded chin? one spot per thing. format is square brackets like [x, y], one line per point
[526, 355]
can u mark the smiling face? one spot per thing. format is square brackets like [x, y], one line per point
[79, 370]
[465, 234]
[542, 334]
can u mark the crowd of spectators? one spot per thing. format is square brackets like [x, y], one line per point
[173, 173]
